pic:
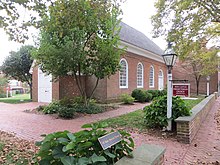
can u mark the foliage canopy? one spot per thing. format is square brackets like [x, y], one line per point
[80, 38]
[18, 64]
[184, 22]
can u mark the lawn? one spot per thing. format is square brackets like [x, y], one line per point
[19, 98]
[135, 120]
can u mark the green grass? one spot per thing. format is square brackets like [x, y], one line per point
[192, 103]
[19, 98]
[136, 119]
[131, 120]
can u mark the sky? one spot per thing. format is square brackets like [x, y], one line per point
[136, 13]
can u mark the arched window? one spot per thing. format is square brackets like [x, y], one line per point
[160, 80]
[140, 70]
[151, 77]
[123, 74]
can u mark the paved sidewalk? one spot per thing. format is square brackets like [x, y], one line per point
[204, 149]
[30, 126]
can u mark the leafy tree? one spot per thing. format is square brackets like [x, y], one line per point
[80, 38]
[200, 61]
[184, 22]
[17, 15]
[18, 64]
[188, 24]
[3, 85]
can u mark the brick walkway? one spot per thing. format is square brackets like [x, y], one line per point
[30, 126]
[205, 148]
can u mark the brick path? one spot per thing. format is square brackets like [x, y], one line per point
[205, 148]
[30, 126]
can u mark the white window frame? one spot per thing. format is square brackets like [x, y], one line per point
[151, 78]
[142, 75]
[126, 86]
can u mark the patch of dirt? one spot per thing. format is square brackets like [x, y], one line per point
[16, 148]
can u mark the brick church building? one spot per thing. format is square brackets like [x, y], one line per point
[142, 66]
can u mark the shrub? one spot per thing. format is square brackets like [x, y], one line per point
[155, 114]
[52, 108]
[66, 112]
[155, 93]
[2, 95]
[163, 92]
[67, 102]
[139, 95]
[92, 108]
[127, 99]
[148, 97]
[82, 147]
[78, 100]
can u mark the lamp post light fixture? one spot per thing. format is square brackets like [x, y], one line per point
[169, 58]
[208, 79]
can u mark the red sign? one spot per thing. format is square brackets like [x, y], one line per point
[181, 90]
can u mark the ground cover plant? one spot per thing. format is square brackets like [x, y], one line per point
[15, 151]
[82, 147]
[16, 99]
[68, 108]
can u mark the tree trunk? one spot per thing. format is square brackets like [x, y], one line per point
[30, 86]
[197, 87]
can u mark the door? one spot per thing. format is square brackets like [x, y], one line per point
[160, 80]
[44, 87]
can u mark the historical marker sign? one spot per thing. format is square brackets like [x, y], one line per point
[109, 140]
[181, 90]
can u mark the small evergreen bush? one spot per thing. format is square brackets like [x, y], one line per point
[89, 109]
[139, 95]
[66, 112]
[155, 114]
[148, 97]
[52, 108]
[127, 99]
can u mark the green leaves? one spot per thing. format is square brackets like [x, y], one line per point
[80, 38]
[155, 114]
[82, 148]
[68, 160]
[185, 21]
[18, 64]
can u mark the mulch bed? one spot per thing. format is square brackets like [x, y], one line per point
[17, 150]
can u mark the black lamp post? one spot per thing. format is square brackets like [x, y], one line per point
[169, 58]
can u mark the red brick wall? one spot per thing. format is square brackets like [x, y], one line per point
[101, 90]
[179, 73]
[35, 84]
[68, 87]
[56, 90]
[108, 88]
[113, 89]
